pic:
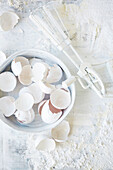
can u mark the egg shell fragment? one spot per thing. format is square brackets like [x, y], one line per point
[24, 102]
[46, 144]
[36, 92]
[16, 68]
[7, 106]
[7, 81]
[47, 116]
[8, 20]
[54, 74]
[60, 133]
[2, 58]
[46, 87]
[40, 106]
[60, 98]
[68, 82]
[39, 71]
[25, 77]
[34, 61]
[25, 117]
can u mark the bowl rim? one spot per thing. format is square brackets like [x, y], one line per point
[66, 70]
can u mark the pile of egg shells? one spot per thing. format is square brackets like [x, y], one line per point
[38, 80]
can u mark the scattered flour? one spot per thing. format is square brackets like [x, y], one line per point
[83, 150]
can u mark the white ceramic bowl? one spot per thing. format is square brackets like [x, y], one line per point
[37, 125]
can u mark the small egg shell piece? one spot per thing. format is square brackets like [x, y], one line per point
[60, 98]
[7, 106]
[16, 68]
[54, 74]
[46, 144]
[46, 87]
[7, 81]
[2, 58]
[24, 102]
[18, 63]
[25, 117]
[47, 116]
[60, 132]
[39, 71]
[36, 92]
[25, 77]
[34, 61]
[8, 20]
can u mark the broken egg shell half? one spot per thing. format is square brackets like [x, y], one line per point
[34, 61]
[7, 106]
[60, 133]
[54, 74]
[8, 20]
[16, 68]
[2, 58]
[24, 102]
[45, 144]
[18, 63]
[47, 116]
[40, 71]
[60, 98]
[25, 77]
[25, 117]
[7, 81]
[46, 87]
[36, 92]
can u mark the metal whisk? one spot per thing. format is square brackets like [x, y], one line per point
[50, 22]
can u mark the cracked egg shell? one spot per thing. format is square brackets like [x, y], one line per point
[60, 133]
[24, 90]
[40, 71]
[2, 58]
[24, 102]
[8, 20]
[46, 144]
[18, 63]
[40, 106]
[25, 117]
[7, 106]
[7, 81]
[54, 74]
[34, 61]
[60, 98]
[25, 77]
[46, 87]
[36, 92]
[16, 68]
[47, 116]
